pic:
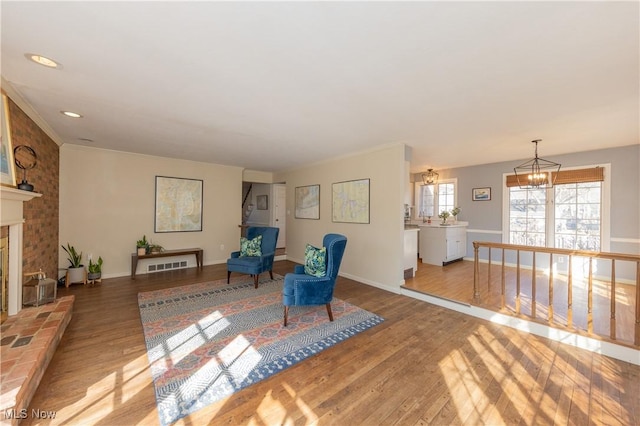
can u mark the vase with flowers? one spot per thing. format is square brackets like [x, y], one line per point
[454, 213]
[444, 215]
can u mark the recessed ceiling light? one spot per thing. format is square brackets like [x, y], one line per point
[42, 60]
[71, 114]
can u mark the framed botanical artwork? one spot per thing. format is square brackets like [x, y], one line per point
[178, 204]
[307, 202]
[7, 165]
[350, 201]
[481, 194]
[262, 202]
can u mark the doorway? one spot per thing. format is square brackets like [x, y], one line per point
[265, 204]
[280, 213]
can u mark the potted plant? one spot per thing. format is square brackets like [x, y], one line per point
[76, 271]
[155, 248]
[444, 215]
[95, 270]
[455, 212]
[142, 245]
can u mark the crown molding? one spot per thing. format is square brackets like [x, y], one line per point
[22, 103]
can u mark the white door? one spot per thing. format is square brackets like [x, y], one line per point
[280, 213]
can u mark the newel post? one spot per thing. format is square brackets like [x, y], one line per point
[476, 274]
[637, 331]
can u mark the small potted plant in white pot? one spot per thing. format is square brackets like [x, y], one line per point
[142, 245]
[75, 272]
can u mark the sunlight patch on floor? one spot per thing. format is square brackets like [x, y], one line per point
[470, 376]
[99, 401]
[199, 333]
[240, 358]
[113, 390]
[135, 376]
[312, 418]
[271, 411]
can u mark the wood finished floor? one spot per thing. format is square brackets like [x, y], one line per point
[423, 365]
[455, 282]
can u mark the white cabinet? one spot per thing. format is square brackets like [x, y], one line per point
[442, 244]
[411, 251]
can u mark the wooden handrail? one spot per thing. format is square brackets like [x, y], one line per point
[591, 255]
[583, 253]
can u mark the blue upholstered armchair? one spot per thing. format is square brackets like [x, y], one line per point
[254, 265]
[302, 289]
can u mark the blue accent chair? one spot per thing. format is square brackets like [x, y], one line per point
[302, 289]
[254, 265]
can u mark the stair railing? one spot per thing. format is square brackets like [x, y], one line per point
[246, 195]
[590, 255]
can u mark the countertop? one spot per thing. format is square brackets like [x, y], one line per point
[434, 224]
[439, 225]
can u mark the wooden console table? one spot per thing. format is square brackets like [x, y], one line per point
[198, 252]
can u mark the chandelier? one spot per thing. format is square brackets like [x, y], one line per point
[537, 173]
[430, 178]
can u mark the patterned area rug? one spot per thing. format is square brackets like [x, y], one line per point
[207, 341]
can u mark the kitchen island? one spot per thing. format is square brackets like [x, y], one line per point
[443, 244]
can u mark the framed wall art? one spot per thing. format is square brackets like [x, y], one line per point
[178, 204]
[307, 202]
[350, 201]
[481, 194]
[262, 202]
[7, 165]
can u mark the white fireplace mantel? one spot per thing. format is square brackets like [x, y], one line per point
[11, 204]
[10, 193]
[11, 215]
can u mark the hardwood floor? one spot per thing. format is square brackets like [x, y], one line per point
[455, 282]
[422, 365]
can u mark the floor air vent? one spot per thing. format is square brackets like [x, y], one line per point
[167, 266]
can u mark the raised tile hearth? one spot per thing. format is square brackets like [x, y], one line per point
[28, 342]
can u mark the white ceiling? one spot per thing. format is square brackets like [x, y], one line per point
[272, 86]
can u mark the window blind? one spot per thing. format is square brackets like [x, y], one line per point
[593, 174]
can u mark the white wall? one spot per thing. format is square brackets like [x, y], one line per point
[107, 202]
[257, 176]
[374, 253]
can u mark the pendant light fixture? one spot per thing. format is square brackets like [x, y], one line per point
[537, 173]
[430, 178]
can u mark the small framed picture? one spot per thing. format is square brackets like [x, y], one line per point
[308, 202]
[481, 194]
[262, 202]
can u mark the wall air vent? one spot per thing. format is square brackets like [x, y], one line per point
[167, 266]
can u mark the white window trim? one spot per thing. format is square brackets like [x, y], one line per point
[418, 195]
[605, 214]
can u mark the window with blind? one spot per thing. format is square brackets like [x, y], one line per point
[568, 215]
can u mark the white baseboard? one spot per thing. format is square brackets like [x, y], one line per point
[362, 280]
[381, 286]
